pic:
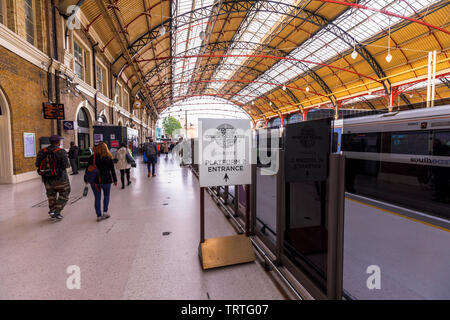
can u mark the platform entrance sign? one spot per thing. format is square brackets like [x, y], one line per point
[224, 160]
[225, 146]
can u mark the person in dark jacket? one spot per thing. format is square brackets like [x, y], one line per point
[151, 152]
[73, 157]
[106, 176]
[57, 187]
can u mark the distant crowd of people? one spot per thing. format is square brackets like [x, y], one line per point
[52, 163]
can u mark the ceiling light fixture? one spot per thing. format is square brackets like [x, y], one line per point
[202, 35]
[162, 30]
[284, 88]
[307, 89]
[354, 53]
[389, 56]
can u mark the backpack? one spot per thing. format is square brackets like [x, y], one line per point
[48, 168]
[150, 149]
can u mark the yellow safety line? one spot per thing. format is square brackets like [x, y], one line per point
[400, 215]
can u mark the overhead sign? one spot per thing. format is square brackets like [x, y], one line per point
[69, 125]
[224, 157]
[53, 111]
[307, 149]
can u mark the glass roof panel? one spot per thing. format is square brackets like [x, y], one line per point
[359, 24]
[187, 39]
[260, 24]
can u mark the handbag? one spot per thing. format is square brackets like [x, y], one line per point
[91, 172]
[130, 159]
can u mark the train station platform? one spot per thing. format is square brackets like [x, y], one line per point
[148, 249]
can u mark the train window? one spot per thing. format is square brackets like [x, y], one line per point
[362, 142]
[415, 142]
[441, 145]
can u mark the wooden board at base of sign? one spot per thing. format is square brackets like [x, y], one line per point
[226, 251]
[224, 147]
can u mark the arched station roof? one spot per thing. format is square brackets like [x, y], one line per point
[275, 57]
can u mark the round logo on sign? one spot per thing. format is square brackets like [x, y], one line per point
[307, 138]
[226, 135]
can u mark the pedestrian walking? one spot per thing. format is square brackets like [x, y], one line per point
[124, 163]
[101, 174]
[151, 152]
[73, 157]
[166, 149]
[52, 163]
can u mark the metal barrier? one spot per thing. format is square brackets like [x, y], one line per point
[273, 237]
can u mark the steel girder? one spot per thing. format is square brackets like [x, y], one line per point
[205, 42]
[222, 46]
[210, 67]
[190, 72]
[227, 7]
[445, 81]
[250, 15]
[363, 99]
[212, 97]
[271, 6]
[267, 6]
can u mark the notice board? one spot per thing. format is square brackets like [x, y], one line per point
[307, 150]
[224, 152]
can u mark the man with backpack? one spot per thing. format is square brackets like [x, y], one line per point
[52, 163]
[151, 152]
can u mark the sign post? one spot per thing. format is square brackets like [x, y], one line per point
[224, 160]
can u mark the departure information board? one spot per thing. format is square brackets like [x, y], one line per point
[54, 111]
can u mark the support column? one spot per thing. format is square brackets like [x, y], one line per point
[338, 107]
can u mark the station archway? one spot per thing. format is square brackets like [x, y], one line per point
[85, 127]
[6, 159]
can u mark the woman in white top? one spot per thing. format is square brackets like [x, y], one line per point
[122, 164]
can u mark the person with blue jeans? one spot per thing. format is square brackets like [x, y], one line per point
[102, 159]
[151, 152]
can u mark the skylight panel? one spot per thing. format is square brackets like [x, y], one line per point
[181, 44]
[359, 24]
[255, 32]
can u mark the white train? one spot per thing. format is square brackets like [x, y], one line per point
[399, 157]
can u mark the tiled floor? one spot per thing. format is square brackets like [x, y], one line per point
[126, 256]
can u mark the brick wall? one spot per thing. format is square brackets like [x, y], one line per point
[24, 85]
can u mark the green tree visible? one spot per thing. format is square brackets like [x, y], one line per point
[170, 124]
